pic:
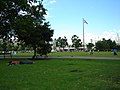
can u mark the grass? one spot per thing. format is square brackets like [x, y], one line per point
[23, 54]
[96, 54]
[58, 54]
[61, 74]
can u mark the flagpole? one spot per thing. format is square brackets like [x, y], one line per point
[83, 36]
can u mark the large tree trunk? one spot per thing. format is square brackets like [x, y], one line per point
[35, 52]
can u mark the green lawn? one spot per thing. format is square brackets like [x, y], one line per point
[97, 54]
[58, 54]
[25, 54]
[61, 74]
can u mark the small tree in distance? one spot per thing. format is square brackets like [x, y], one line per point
[89, 46]
[61, 42]
[76, 42]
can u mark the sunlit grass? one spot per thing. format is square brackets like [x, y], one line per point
[61, 74]
[97, 54]
[59, 54]
[25, 54]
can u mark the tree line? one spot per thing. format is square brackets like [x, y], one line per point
[100, 45]
[106, 45]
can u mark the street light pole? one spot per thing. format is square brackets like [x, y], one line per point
[83, 36]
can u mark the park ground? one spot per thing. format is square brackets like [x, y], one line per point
[61, 54]
[61, 74]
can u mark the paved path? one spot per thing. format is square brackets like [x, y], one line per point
[74, 57]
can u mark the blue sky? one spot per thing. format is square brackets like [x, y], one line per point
[103, 17]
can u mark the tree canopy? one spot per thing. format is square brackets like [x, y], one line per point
[25, 20]
[90, 46]
[76, 42]
[105, 45]
[61, 42]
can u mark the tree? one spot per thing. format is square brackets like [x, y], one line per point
[43, 50]
[112, 44]
[90, 45]
[118, 47]
[9, 11]
[34, 30]
[26, 21]
[99, 45]
[61, 42]
[105, 45]
[58, 42]
[64, 42]
[76, 42]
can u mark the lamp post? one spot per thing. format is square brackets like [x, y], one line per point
[84, 34]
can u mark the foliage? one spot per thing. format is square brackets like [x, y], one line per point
[76, 42]
[90, 45]
[9, 11]
[61, 42]
[118, 47]
[6, 45]
[44, 49]
[24, 20]
[105, 45]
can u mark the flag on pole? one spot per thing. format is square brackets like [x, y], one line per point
[84, 21]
